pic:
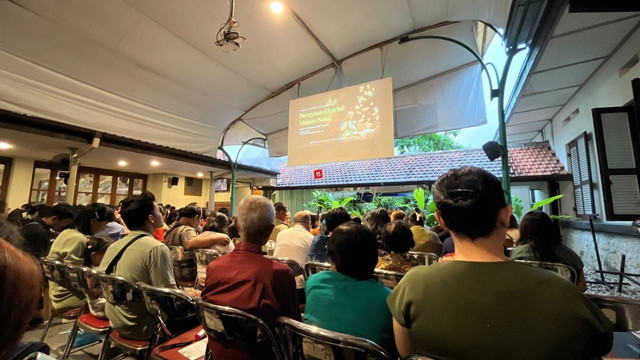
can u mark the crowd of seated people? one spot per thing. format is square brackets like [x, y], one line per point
[452, 310]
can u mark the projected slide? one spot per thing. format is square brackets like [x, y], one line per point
[351, 123]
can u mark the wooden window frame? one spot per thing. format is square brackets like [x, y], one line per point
[586, 215]
[6, 173]
[185, 186]
[605, 172]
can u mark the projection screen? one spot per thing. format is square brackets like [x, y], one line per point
[352, 123]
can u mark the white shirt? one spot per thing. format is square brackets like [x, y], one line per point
[294, 243]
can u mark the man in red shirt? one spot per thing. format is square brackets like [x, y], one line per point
[246, 280]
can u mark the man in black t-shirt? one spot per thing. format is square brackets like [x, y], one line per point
[37, 234]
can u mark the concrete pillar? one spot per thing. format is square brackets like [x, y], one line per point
[212, 192]
[73, 176]
[20, 182]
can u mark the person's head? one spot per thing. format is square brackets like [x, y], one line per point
[334, 218]
[141, 212]
[94, 252]
[356, 219]
[303, 218]
[224, 210]
[255, 219]
[287, 218]
[471, 204]
[20, 286]
[416, 218]
[397, 237]
[398, 215]
[4, 209]
[93, 218]
[172, 217]
[537, 229]
[205, 214]
[61, 215]
[163, 211]
[15, 217]
[10, 233]
[190, 215]
[376, 220]
[217, 222]
[281, 211]
[314, 220]
[513, 222]
[353, 250]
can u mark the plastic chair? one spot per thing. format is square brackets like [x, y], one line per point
[56, 272]
[228, 325]
[313, 267]
[298, 270]
[303, 341]
[165, 304]
[388, 278]
[624, 313]
[119, 291]
[86, 280]
[562, 270]
[423, 258]
[183, 264]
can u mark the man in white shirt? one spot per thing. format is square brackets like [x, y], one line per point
[294, 243]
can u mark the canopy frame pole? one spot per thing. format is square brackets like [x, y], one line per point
[498, 92]
[234, 168]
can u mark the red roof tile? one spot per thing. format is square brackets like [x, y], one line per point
[537, 159]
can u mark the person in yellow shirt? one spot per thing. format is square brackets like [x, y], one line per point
[281, 216]
[426, 240]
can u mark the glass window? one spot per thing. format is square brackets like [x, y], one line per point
[137, 186]
[104, 189]
[61, 187]
[85, 189]
[40, 185]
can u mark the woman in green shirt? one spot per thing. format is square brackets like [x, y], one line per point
[348, 299]
[69, 248]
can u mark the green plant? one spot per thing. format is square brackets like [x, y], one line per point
[517, 205]
[545, 202]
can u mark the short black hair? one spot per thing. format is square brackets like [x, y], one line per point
[95, 211]
[190, 211]
[136, 209]
[469, 200]
[335, 217]
[11, 234]
[397, 237]
[61, 211]
[376, 220]
[416, 218]
[96, 244]
[218, 222]
[541, 232]
[354, 250]
[356, 219]
[224, 210]
[280, 207]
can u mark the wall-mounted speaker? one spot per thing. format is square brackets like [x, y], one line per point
[172, 181]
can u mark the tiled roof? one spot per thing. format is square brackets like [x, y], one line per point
[533, 160]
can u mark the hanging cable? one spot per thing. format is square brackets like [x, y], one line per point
[331, 82]
[383, 58]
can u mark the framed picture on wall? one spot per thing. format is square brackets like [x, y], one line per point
[222, 185]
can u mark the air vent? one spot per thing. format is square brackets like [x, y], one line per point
[571, 116]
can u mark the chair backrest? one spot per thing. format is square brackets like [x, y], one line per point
[57, 272]
[388, 278]
[232, 326]
[624, 313]
[205, 256]
[303, 341]
[83, 278]
[166, 304]
[119, 291]
[178, 253]
[313, 267]
[418, 357]
[295, 266]
[423, 258]
[562, 270]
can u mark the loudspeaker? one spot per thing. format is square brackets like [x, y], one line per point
[172, 181]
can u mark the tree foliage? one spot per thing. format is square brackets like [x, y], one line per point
[429, 142]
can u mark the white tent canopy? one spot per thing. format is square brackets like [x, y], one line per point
[148, 69]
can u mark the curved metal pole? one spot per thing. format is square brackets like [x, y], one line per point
[234, 168]
[406, 39]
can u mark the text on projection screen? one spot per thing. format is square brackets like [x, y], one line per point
[352, 123]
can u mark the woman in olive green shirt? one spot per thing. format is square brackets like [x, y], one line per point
[69, 248]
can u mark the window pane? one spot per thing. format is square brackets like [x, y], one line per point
[137, 186]
[60, 185]
[123, 186]
[61, 196]
[120, 198]
[104, 198]
[39, 197]
[104, 185]
[85, 183]
[84, 199]
[41, 179]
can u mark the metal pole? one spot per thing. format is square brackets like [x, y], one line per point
[212, 192]
[233, 180]
[595, 245]
[621, 276]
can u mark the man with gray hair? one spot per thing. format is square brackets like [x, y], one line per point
[246, 280]
[294, 243]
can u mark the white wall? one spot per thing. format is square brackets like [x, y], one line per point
[605, 89]
[19, 182]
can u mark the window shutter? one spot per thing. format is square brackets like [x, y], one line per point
[616, 133]
[578, 151]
